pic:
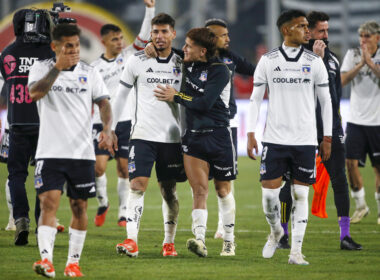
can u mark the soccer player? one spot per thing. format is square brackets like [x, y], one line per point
[155, 136]
[361, 66]
[236, 64]
[335, 166]
[293, 76]
[65, 89]
[110, 66]
[207, 144]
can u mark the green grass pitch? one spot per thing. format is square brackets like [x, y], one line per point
[100, 261]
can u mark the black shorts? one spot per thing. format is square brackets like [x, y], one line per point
[214, 146]
[362, 140]
[51, 174]
[167, 156]
[122, 131]
[277, 160]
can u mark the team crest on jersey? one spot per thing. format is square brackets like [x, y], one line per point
[203, 76]
[119, 61]
[226, 60]
[332, 64]
[176, 71]
[83, 80]
[306, 69]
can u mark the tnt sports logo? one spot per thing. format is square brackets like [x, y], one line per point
[83, 80]
[306, 69]
[119, 61]
[176, 71]
[9, 64]
[203, 76]
[226, 60]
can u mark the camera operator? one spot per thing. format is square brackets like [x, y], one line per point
[32, 31]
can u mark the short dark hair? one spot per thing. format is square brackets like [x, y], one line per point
[162, 19]
[65, 30]
[203, 37]
[287, 16]
[314, 16]
[215, 21]
[107, 28]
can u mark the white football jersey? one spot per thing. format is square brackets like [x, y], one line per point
[65, 112]
[290, 75]
[154, 120]
[111, 70]
[365, 90]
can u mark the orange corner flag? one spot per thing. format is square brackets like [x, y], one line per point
[318, 207]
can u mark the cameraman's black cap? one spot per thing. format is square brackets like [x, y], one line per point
[19, 21]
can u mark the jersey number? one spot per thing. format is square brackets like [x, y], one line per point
[20, 94]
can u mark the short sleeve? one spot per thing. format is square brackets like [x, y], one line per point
[128, 76]
[37, 72]
[321, 76]
[99, 89]
[348, 62]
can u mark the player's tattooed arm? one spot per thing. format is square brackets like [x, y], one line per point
[40, 88]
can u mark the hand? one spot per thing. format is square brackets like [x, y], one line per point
[108, 141]
[252, 145]
[165, 93]
[150, 3]
[150, 50]
[66, 60]
[325, 148]
[319, 48]
[366, 56]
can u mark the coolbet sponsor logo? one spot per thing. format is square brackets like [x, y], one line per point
[287, 80]
[160, 81]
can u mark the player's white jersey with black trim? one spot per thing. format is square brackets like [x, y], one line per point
[291, 80]
[111, 70]
[365, 89]
[154, 120]
[65, 111]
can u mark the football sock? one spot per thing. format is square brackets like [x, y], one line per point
[9, 201]
[199, 223]
[359, 198]
[46, 238]
[220, 223]
[344, 224]
[135, 208]
[123, 191]
[76, 242]
[271, 207]
[101, 190]
[170, 211]
[377, 197]
[300, 212]
[285, 227]
[227, 209]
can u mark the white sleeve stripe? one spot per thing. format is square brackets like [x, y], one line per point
[125, 84]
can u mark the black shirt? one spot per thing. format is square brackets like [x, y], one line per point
[15, 62]
[204, 94]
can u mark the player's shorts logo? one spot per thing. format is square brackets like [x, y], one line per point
[131, 167]
[83, 80]
[263, 168]
[38, 182]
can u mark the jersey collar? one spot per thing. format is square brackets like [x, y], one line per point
[165, 60]
[295, 59]
[107, 60]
